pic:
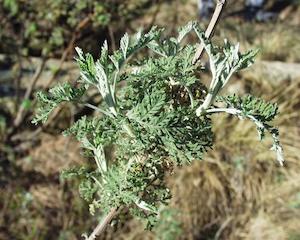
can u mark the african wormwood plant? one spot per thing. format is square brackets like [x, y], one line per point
[159, 119]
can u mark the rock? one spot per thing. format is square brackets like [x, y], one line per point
[274, 71]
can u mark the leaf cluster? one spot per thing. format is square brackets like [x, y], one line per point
[152, 123]
[261, 113]
[48, 102]
[250, 105]
[58, 94]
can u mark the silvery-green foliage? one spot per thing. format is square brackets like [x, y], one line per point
[48, 102]
[260, 112]
[224, 62]
[159, 119]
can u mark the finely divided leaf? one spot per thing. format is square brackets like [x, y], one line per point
[124, 43]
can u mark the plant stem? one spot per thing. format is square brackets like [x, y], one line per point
[102, 225]
[208, 33]
[207, 102]
[98, 109]
[211, 27]
[232, 111]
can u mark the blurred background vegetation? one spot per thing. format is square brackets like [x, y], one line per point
[238, 192]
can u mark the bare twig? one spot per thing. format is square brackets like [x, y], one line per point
[223, 226]
[112, 38]
[102, 225]
[18, 79]
[80, 26]
[62, 60]
[69, 48]
[35, 78]
[211, 27]
[154, 16]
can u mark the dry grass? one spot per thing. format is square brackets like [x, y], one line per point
[276, 41]
[54, 154]
[239, 192]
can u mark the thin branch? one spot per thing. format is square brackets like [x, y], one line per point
[112, 38]
[63, 58]
[211, 27]
[18, 78]
[232, 111]
[20, 114]
[237, 112]
[69, 49]
[154, 16]
[261, 126]
[98, 109]
[35, 78]
[223, 226]
[102, 225]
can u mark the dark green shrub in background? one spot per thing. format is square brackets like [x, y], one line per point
[35, 27]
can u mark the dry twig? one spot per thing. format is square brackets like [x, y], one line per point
[69, 48]
[102, 225]
[211, 27]
[20, 114]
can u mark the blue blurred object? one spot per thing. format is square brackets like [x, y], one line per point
[255, 3]
[253, 10]
[205, 8]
